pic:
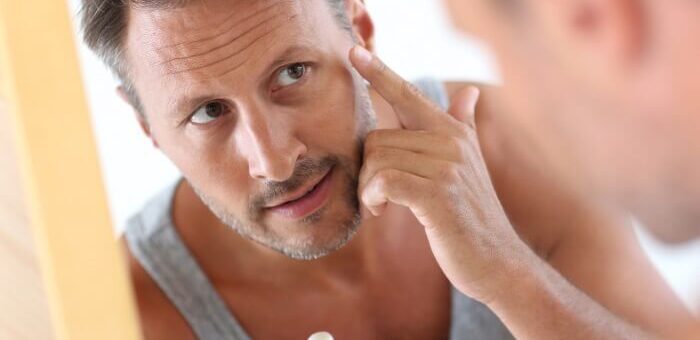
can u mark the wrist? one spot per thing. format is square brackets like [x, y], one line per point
[505, 264]
[515, 277]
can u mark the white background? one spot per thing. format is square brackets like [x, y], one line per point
[413, 36]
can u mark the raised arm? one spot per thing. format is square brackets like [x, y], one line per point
[434, 166]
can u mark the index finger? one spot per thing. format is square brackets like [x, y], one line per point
[414, 110]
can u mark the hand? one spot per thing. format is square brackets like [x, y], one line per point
[434, 167]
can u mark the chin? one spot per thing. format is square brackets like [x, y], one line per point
[314, 238]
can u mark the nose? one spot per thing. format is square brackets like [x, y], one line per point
[270, 146]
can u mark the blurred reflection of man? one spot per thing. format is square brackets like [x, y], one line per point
[607, 93]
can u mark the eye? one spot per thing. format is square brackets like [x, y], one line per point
[209, 112]
[291, 74]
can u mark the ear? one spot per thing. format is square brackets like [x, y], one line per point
[362, 25]
[143, 123]
[609, 33]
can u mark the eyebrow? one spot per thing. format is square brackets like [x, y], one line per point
[283, 57]
[182, 106]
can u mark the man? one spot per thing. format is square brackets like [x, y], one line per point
[615, 104]
[278, 138]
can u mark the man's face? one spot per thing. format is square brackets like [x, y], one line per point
[256, 104]
[601, 100]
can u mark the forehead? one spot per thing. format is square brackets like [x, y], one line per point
[210, 38]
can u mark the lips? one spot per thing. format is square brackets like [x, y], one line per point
[305, 201]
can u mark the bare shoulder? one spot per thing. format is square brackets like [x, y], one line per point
[159, 318]
[540, 209]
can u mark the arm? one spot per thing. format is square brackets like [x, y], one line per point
[600, 280]
[614, 292]
[602, 256]
[596, 252]
[539, 303]
[434, 167]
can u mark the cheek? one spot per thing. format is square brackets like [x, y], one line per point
[469, 16]
[455, 8]
[520, 91]
[209, 168]
[334, 133]
[333, 119]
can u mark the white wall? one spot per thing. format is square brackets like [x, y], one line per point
[132, 169]
[413, 36]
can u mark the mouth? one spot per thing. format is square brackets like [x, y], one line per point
[306, 200]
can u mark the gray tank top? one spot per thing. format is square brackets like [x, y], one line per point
[155, 243]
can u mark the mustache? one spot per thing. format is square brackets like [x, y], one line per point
[304, 170]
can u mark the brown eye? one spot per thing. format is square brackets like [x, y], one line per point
[296, 71]
[214, 110]
[208, 113]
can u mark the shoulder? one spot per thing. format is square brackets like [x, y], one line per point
[148, 295]
[154, 215]
[541, 210]
[159, 318]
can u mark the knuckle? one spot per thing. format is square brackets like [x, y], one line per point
[408, 90]
[380, 66]
[457, 148]
[386, 179]
[450, 172]
[379, 70]
[465, 130]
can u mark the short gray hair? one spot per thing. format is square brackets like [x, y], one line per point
[104, 23]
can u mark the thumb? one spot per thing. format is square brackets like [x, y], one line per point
[463, 105]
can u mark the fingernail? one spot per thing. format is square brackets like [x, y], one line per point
[363, 55]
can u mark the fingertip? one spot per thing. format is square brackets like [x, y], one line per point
[472, 97]
[468, 97]
[464, 103]
[366, 209]
[360, 56]
[373, 210]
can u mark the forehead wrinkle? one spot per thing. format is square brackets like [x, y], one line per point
[220, 75]
[226, 72]
[183, 47]
[228, 19]
[223, 45]
[199, 59]
[234, 54]
[260, 52]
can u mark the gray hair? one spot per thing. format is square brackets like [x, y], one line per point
[104, 24]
